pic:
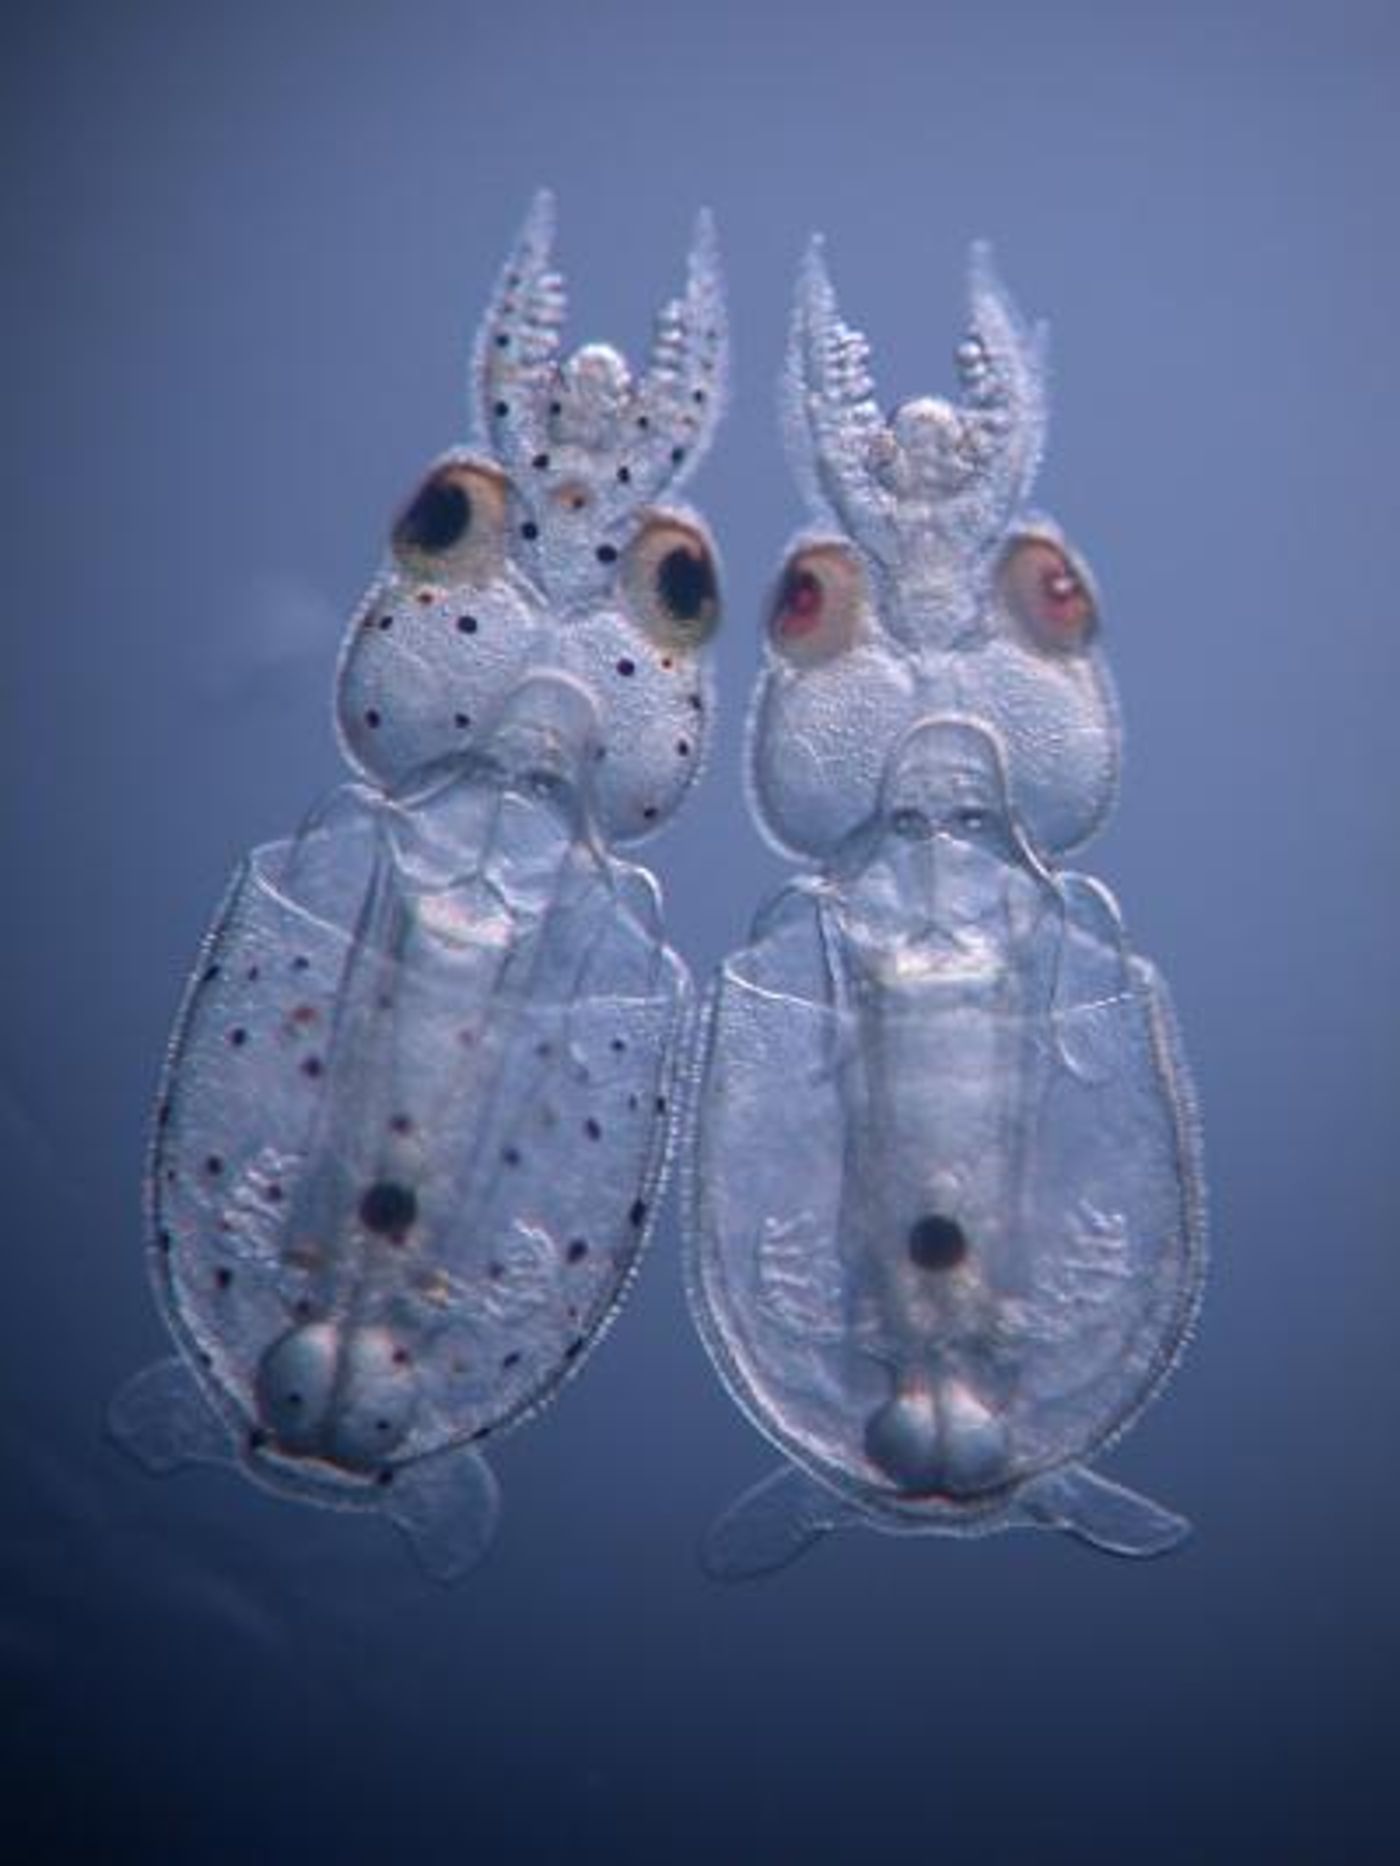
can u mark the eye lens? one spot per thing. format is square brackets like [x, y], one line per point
[439, 517]
[1047, 596]
[685, 583]
[817, 609]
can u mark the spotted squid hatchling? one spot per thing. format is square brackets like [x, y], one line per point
[419, 1101]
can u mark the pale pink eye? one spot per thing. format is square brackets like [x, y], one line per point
[799, 609]
[1046, 595]
[817, 608]
[1060, 586]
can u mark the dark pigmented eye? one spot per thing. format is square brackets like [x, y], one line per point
[452, 528]
[671, 584]
[439, 517]
[686, 584]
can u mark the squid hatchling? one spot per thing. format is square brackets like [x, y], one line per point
[419, 1100]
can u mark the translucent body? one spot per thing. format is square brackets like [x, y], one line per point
[418, 1107]
[945, 1209]
[1058, 722]
[412, 1130]
[947, 1226]
[937, 613]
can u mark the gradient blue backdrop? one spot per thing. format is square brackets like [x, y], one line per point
[245, 250]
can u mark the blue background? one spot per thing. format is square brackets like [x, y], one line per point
[245, 251]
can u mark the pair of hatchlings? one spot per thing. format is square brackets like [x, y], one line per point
[942, 1192]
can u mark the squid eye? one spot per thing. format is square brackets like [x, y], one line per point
[1046, 595]
[671, 585]
[817, 608]
[971, 821]
[910, 823]
[453, 526]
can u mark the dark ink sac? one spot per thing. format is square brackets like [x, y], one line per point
[937, 1243]
[388, 1209]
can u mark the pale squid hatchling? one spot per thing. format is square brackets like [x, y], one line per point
[419, 1103]
[945, 1214]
